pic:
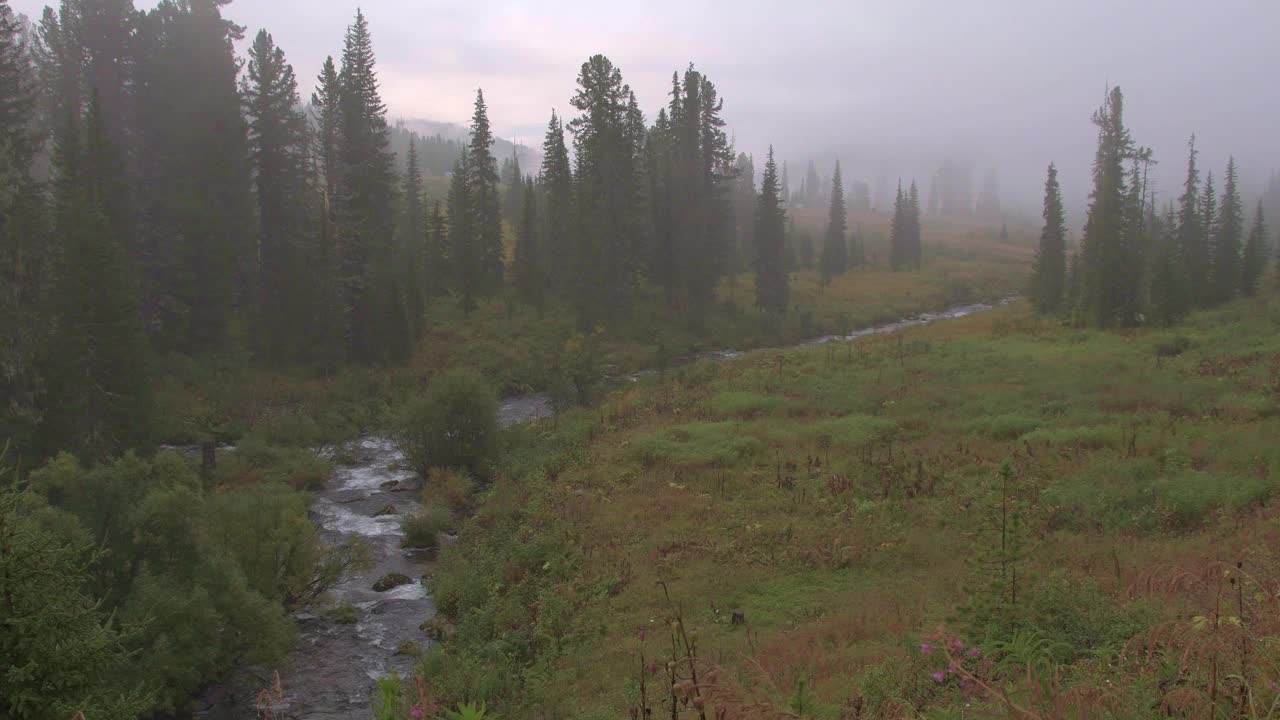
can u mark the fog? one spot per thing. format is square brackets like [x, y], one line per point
[890, 88]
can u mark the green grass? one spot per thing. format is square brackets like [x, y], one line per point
[843, 499]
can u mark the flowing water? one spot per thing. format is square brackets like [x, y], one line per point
[330, 673]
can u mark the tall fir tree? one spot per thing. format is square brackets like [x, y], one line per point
[899, 240]
[1192, 245]
[1208, 237]
[529, 262]
[914, 230]
[1109, 291]
[193, 161]
[835, 251]
[1049, 275]
[99, 401]
[326, 111]
[1253, 264]
[278, 143]
[377, 328]
[486, 213]
[607, 205]
[557, 208]
[462, 252]
[1228, 238]
[770, 240]
[435, 262]
[413, 242]
[744, 207]
[1170, 290]
[512, 201]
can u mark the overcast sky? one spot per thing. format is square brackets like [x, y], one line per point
[891, 86]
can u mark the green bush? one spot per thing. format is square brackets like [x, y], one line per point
[1005, 427]
[422, 529]
[742, 403]
[455, 425]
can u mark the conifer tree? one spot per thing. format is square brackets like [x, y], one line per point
[413, 240]
[326, 115]
[511, 202]
[1254, 262]
[557, 208]
[915, 257]
[744, 207]
[899, 240]
[486, 214]
[785, 190]
[770, 239]
[529, 262]
[462, 251]
[607, 205]
[278, 151]
[1048, 278]
[835, 253]
[1208, 237]
[436, 277]
[99, 402]
[1170, 291]
[1228, 238]
[1108, 270]
[811, 187]
[194, 163]
[366, 201]
[1193, 250]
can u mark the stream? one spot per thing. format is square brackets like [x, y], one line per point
[330, 672]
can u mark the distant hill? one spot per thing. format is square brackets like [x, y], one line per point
[440, 144]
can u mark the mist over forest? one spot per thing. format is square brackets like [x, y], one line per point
[739, 360]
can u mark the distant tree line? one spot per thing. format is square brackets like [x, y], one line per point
[1138, 263]
[161, 196]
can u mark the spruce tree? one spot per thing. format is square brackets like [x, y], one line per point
[744, 208]
[1254, 262]
[1170, 291]
[811, 187]
[1208, 238]
[914, 231]
[413, 241]
[436, 277]
[1108, 287]
[529, 262]
[486, 214]
[512, 201]
[462, 252]
[607, 205]
[365, 202]
[1191, 238]
[770, 239]
[326, 115]
[1228, 238]
[1048, 277]
[557, 208]
[899, 240]
[835, 253]
[98, 403]
[278, 151]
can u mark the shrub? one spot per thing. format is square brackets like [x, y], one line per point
[696, 444]
[449, 489]
[422, 529]
[455, 425]
[744, 403]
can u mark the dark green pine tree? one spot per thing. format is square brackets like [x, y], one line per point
[664, 264]
[531, 280]
[278, 143]
[607, 205]
[1254, 262]
[486, 214]
[770, 241]
[1228, 238]
[914, 230]
[436, 278]
[835, 251]
[365, 198]
[1192, 245]
[899, 242]
[462, 252]
[1209, 236]
[98, 401]
[196, 186]
[557, 209]
[1108, 290]
[1049, 275]
[704, 183]
[412, 244]
[1170, 291]
[326, 115]
[26, 252]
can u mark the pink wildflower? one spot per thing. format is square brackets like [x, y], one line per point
[974, 652]
[416, 712]
[925, 648]
[939, 676]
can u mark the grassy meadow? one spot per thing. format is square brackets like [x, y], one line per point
[996, 515]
